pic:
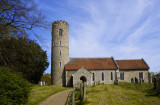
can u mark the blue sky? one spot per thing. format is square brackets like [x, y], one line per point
[124, 29]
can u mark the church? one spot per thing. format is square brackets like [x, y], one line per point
[66, 71]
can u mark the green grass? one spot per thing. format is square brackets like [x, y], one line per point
[122, 94]
[39, 93]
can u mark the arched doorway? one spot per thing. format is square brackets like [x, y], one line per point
[83, 78]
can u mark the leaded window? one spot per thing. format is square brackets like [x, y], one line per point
[102, 76]
[93, 77]
[111, 76]
[141, 75]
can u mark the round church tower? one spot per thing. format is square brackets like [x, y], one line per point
[60, 51]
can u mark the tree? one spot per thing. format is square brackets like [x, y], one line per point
[24, 57]
[17, 16]
[46, 78]
[157, 74]
[14, 90]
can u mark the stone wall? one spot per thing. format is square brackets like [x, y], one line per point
[129, 74]
[107, 76]
[69, 78]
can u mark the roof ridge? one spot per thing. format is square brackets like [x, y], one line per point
[128, 59]
[91, 58]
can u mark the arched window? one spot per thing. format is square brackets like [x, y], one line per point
[93, 77]
[60, 32]
[59, 64]
[111, 76]
[60, 53]
[60, 43]
[102, 76]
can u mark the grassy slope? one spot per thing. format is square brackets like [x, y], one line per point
[124, 94]
[39, 93]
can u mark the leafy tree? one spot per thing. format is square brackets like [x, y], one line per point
[24, 57]
[46, 78]
[14, 90]
[17, 16]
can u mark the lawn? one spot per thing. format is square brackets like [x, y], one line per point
[39, 93]
[122, 94]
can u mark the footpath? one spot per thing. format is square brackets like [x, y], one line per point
[57, 99]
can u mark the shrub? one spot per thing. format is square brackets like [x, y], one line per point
[14, 90]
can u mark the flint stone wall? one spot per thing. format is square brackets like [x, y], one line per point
[73, 76]
[129, 74]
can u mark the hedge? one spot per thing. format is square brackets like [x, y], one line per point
[14, 90]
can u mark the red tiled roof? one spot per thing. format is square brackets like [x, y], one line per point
[132, 64]
[91, 64]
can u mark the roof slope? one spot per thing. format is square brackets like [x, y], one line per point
[132, 64]
[91, 63]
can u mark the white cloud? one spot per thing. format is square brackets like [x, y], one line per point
[125, 29]
[131, 22]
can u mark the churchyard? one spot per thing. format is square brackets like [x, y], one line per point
[121, 94]
[102, 94]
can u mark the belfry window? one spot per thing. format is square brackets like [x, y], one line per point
[60, 32]
[102, 76]
[111, 76]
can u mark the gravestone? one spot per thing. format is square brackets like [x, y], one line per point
[44, 83]
[140, 81]
[98, 82]
[150, 77]
[95, 83]
[159, 85]
[116, 82]
[136, 80]
[155, 83]
[41, 83]
[132, 80]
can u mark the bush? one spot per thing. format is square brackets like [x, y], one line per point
[14, 90]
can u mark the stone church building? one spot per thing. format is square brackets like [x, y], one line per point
[67, 71]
